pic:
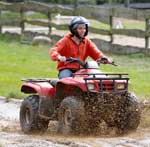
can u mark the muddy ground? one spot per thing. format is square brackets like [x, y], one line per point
[12, 136]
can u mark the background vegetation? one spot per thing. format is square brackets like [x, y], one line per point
[25, 61]
[84, 1]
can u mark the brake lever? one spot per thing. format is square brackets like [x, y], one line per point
[113, 63]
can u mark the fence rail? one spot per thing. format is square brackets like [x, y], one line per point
[102, 14]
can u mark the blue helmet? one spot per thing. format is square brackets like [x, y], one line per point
[75, 22]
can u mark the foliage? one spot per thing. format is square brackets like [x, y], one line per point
[58, 1]
[83, 1]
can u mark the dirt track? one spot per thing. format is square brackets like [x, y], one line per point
[11, 135]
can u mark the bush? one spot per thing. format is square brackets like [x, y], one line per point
[12, 1]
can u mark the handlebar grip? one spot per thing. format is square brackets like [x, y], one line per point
[113, 63]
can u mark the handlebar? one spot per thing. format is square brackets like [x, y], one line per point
[70, 60]
[83, 64]
[105, 60]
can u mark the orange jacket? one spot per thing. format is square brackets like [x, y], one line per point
[68, 48]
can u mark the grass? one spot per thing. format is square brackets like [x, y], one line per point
[140, 25]
[22, 61]
[98, 24]
[19, 61]
[31, 15]
[127, 24]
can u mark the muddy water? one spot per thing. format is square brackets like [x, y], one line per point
[11, 135]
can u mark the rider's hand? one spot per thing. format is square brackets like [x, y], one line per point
[61, 58]
[105, 60]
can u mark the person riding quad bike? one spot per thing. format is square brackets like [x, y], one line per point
[75, 45]
[83, 97]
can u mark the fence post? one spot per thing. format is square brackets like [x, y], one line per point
[147, 28]
[111, 27]
[127, 3]
[22, 25]
[75, 6]
[49, 23]
[110, 2]
[0, 25]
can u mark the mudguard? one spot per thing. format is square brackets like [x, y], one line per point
[77, 82]
[40, 88]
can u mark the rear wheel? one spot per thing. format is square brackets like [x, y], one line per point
[71, 116]
[29, 119]
[128, 114]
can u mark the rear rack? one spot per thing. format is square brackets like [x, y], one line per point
[108, 88]
[36, 80]
[53, 81]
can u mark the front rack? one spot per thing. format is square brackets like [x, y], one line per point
[110, 78]
[119, 75]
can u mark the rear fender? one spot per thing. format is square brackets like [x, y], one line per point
[30, 88]
[40, 88]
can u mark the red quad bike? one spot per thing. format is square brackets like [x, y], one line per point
[80, 103]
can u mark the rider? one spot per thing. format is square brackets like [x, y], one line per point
[75, 45]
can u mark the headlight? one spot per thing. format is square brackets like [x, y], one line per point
[120, 86]
[90, 86]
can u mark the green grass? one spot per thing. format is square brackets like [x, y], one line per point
[33, 15]
[8, 14]
[19, 61]
[22, 61]
[127, 24]
[98, 24]
[140, 25]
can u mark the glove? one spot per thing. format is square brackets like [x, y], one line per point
[61, 58]
[104, 60]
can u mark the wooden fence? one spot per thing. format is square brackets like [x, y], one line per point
[102, 14]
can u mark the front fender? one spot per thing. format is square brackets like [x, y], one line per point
[77, 82]
[40, 88]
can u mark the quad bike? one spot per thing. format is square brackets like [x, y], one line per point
[81, 102]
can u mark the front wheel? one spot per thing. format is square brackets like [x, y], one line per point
[128, 114]
[29, 119]
[71, 116]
